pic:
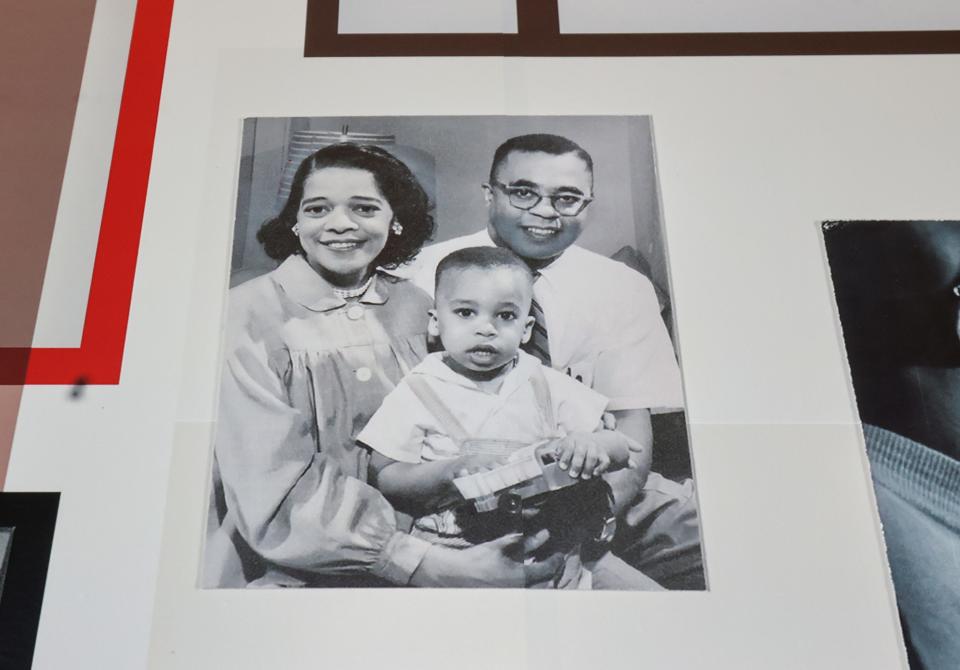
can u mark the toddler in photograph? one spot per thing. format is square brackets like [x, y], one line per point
[467, 408]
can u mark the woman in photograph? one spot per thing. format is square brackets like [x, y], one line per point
[312, 348]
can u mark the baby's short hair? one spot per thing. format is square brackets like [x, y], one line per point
[480, 257]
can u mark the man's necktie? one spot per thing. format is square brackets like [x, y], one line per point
[538, 345]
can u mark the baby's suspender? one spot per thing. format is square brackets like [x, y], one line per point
[450, 424]
[541, 391]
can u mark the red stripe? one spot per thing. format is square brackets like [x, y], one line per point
[98, 360]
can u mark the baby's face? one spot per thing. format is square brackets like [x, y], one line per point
[482, 316]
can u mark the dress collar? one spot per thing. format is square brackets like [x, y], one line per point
[304, 286]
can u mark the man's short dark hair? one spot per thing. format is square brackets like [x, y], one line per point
[480, 257]
[555, 145]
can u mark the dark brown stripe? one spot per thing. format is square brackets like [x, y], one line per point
[538, 35]
[538, 17]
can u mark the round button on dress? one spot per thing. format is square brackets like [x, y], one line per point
[355, 312]
[363, 374]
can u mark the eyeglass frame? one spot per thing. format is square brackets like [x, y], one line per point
[584, 200]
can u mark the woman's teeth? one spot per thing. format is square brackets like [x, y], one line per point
[342, 246]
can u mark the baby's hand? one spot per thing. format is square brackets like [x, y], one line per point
[473, 463]
[581, 455]
[609, 421]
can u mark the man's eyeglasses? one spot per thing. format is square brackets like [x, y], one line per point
[524, 197]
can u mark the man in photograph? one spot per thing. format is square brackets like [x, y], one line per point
[598, 321]
[897, 287]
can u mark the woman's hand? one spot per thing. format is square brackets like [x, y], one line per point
[498, 563]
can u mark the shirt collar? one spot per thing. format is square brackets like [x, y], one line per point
[433, 366]
[304, 286]
[483, 238]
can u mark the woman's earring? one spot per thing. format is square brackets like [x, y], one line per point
[396, 227]
[295, 229]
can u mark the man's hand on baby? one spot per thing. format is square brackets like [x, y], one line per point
[587, 455]
[580, 455]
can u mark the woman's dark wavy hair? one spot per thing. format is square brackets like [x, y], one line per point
[394, 179]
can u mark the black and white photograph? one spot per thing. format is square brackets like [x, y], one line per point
[897, 287]
[27, 523]
[450, 360]
[6, 539]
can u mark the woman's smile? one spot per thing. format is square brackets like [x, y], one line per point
[342, 245]
[343, 224]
